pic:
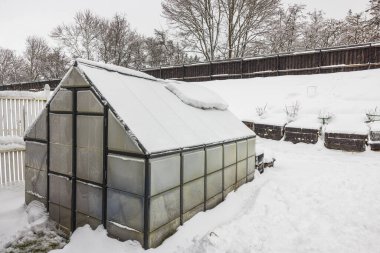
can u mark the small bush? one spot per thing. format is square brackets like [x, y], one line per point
[261, 111]
[373, 114]
[292, 111]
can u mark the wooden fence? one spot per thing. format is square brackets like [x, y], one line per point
[18, 111]
[31, 86]
[328, 60]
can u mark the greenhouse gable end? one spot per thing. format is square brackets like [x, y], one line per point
[120, 148]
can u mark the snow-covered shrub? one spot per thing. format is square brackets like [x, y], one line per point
[373, 114]
[292, 111]
[261, 111]
[325, 116]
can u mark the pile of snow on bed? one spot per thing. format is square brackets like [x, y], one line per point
[197, 96]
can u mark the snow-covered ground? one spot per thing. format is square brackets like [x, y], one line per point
[347, 96]
[313, 200]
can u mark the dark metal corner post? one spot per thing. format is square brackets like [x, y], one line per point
[105, 165]
[74, 162]
[181, 189]
[147, 203]
[205, 180]
[47, 156]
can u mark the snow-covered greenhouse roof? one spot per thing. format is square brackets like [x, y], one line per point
[163, 115]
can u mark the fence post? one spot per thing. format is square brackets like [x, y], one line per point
[278, 64]
[210, 70]
[183, 72]
[369, 55]
[160, 72]
[241, 68]
[320, 61]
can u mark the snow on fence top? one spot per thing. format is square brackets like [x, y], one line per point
[156, 116]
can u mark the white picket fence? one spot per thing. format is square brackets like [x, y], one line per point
[11, 166]
[18, 110]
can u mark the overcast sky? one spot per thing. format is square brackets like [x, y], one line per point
[20, 18]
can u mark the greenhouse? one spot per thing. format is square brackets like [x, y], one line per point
[137, 154]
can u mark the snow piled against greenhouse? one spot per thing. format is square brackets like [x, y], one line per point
[313, 200]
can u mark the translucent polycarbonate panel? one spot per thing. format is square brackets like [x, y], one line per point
[229, 176]
[36, 155]
[74, 79]
[229, 154]
[60, 215]
[118, 138]
[211, 203]
[251, 147]
[126, 174]
[61, 126]
[60, 158]
[90, 148]
[90, 164]
[125, 209]
[241, 150]
[193, 165]
[165, 173]
[41, 126]
[88, 102]
[39, 129]
[36, 181]
[158, 236]
[60, 190]
[164, 208]
[90, 132]
[190, 214]
[82, 219]
[214, 159]
[193, 194]
[251, 164]
[62, 101]
[89, 199]
[214, 184]
[241, 170]
[123, 233]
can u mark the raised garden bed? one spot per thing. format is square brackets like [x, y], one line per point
[249, 124]
[269, 131]
[297, 135]
[346, 142]
[374, 136]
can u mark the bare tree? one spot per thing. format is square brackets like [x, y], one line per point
[56, 64]
[198, 21]
[80, 38]
[312, 32]
[246, 22]
[122, 39]
[162, 50]
[332, 33]
[374, 20]
[36, 53]
[355, 31]
[11, 67]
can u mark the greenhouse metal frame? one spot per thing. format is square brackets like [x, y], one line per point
[129, 195]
